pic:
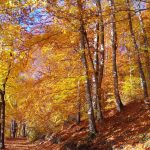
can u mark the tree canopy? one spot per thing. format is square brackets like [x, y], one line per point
[62, 59]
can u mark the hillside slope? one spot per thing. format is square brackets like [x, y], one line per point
[127, 130]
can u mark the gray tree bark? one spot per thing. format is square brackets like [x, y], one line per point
[137, 53]
[114, 49]
[92, 125]
[98, 62]
[146, 45]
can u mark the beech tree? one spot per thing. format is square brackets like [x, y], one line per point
[114, 48]
[146, 45]
[92, 126]
[5, 78]
[98, 61]
[137, 53]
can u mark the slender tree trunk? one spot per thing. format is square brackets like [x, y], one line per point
[2, 117]
[101, 50]
[146, 53]
[114, 49]
[23, 130]
[96, 92]
[101, 47]
[95, 62]
[13, 129]
[19, 128]
[137, 52]
[78, 104]
[146, 45]
[92, 125]
[98, 62]
[96, 99]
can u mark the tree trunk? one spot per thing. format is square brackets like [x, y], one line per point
[96, 99]
[96, 91]
[146, 53]
[101, 50]
[114, 49]
[92, 125]
[78, 104]
[137, 53]
[13, 129]
[23, 130]
[101, 47]
[2, 117]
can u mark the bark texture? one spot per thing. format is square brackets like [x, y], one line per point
[137, 54]
[114, 49]
[92, 125]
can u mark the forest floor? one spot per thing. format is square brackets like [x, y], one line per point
[18, 144]
[128, 130]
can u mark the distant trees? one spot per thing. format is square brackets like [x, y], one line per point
[13, 129]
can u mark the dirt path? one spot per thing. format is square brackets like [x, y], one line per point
[18, 144]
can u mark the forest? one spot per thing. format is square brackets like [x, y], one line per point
[75, 74]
